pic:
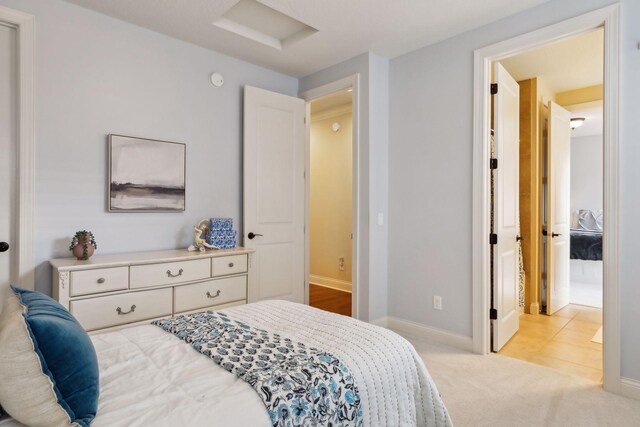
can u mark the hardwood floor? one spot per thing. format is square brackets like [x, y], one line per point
[562, 341]
[329, 299]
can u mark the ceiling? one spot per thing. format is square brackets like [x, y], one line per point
[344, 28]
[336, 100]
[566, 65]
[593, 125]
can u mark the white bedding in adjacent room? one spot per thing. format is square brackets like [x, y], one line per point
[151, 378]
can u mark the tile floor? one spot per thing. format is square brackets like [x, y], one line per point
[562, 341]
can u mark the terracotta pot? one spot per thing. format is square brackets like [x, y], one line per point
[78, 250]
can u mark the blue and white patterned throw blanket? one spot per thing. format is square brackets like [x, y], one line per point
[300, 386]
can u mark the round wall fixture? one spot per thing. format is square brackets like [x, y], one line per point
[217, 80]
[336, 127]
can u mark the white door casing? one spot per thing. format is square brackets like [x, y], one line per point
[610, 18]
[506, 207]
[8, 159]
[559, 210]
[274, 194]
[24, 157]
[353, 83]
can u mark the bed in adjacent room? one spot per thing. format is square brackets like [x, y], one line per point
[194, 370]
[586, 235]
[586, 245]
[586, 258]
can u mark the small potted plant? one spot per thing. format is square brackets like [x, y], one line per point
[83, 245]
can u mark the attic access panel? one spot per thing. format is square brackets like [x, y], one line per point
[260, 23]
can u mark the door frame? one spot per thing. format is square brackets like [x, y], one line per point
[609, 18]
[25, 31]
[352, 82]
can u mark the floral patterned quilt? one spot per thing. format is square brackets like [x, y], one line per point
[299, 385]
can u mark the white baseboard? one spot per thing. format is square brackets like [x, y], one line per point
[427, 332]
[328, 282]
[630, 388]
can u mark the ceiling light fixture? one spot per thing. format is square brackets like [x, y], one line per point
[576, 122]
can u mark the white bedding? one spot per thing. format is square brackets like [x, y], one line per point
[151, 378]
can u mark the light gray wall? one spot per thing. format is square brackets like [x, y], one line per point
[372, 174]
[378, 185]
[586, 173]
[430, 172]
[97, 75]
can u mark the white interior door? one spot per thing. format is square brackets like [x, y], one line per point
[559, 214]
[506, 121]
[274, 186]
[8, 156]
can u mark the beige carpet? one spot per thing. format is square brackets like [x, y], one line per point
[496, 390]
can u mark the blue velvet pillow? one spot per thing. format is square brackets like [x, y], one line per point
[66, 354]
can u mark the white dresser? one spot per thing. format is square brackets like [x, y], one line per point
[110, 291]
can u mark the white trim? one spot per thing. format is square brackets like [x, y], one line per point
[630, 388]
[328, 282]
[25, 26]
[425, 332]
[609, 17]
[352, 82]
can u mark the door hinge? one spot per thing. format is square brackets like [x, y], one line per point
[493, 164]
[493, 314]
[494, 88]
[493, 239]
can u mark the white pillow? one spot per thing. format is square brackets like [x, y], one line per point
[589, 220]
[49, 372]
[26, 392]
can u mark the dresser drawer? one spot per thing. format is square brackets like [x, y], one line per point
[212, 292]
[99, 280]
[224, 266]
[114, 310]
[143, 276]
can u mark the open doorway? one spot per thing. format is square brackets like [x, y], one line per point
[547, 194]
[331, 202]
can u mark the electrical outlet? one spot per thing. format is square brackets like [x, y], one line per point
[437, 302]
[341, 263]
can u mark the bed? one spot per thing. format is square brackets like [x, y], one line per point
[586, 244]
[586, 257]
[149, 377]
[586, 235]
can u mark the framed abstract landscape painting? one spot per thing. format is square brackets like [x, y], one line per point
[146, 175]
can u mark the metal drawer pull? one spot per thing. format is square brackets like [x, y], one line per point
[119, 310]
[213, 296]
[102, 280]
[170, 274]
[230, 264]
